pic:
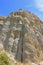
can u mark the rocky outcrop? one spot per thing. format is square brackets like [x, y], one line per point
[21, 34]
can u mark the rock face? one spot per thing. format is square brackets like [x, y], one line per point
[21, 34]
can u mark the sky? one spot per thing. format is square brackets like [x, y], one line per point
[34, 6]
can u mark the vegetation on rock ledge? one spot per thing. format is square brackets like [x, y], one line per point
[4, 60]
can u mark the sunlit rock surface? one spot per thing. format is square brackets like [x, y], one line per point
[21, 34]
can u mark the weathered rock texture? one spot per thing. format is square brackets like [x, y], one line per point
[21, 34]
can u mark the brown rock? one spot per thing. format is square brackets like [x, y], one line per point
[25, 31]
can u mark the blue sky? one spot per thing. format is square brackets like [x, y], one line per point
[34, 6]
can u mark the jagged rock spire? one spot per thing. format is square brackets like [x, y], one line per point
[21, 34]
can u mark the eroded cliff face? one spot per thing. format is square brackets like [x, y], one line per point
[21, 35]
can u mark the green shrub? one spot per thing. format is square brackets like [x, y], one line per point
[4, 60]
